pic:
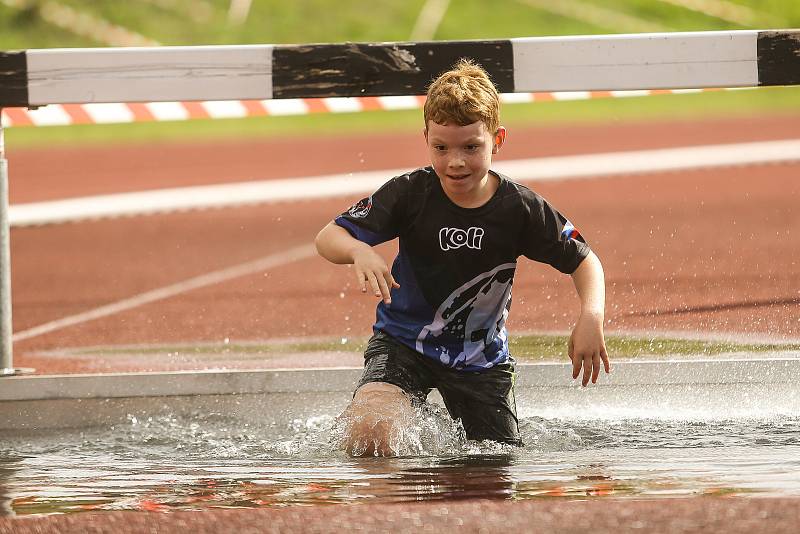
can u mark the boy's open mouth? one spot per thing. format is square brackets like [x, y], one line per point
[459, 177]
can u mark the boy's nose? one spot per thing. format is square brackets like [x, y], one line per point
[456, 162]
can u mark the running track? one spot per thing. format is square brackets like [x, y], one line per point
[714, 252]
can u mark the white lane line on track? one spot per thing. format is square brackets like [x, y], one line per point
[215, 277]
[523, 170]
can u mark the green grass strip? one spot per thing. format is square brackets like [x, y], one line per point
[528, 347]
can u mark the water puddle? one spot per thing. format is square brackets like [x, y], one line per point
[167, 463]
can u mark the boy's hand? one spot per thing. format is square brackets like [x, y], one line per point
[371, 269]
[587, 348]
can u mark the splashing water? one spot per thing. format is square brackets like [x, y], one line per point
[430, 433]
[168, 463]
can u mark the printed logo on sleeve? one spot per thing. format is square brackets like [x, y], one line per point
[361, 208]
[450, 238]
[569, 231]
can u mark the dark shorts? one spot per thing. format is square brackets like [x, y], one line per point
[483, 400]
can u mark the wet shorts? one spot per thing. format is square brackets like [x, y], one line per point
[483, 400]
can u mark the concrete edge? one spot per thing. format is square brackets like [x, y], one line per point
[317, 380]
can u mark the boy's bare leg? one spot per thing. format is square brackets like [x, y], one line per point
[379, 411]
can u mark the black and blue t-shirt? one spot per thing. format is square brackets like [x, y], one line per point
[456, 265]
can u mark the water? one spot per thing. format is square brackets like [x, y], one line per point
[167, 463]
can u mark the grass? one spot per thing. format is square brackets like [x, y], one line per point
[195, 22]
[21, 29]
[661, 107]
[547, 347]
[525, 348]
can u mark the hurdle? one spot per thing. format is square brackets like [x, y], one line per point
[680, 60]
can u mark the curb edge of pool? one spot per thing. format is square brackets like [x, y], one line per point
[65, 401]
[778, 369]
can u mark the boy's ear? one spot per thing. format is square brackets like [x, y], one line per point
[499, 139]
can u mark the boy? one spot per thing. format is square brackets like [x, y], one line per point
[441, 321]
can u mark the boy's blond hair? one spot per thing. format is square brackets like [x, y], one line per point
[463, 95]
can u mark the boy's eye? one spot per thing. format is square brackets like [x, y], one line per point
[472, 147]
[440, 148]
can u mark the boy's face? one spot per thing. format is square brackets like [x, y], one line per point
[461, 157]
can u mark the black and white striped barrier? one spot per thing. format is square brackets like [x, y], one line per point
[33, 78]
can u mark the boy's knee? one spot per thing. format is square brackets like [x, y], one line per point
[375, 418]
[381, 391]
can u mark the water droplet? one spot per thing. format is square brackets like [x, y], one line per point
[344, 341]
[341, 295]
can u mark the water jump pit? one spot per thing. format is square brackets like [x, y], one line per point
[193, 441]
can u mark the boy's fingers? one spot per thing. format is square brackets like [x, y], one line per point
[392, 282]
[373, 282]
[587, 368]
[576, 365]
[604, 357]
[384, 288]
[571, 352]
[595, 367]
[361, 281]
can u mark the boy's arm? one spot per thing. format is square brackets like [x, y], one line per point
[587, 347]
[336, 245]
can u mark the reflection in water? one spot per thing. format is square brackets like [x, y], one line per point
[461, 477]
[8, 467]
[167, 463]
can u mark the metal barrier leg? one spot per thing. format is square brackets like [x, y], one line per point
[6, 356]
